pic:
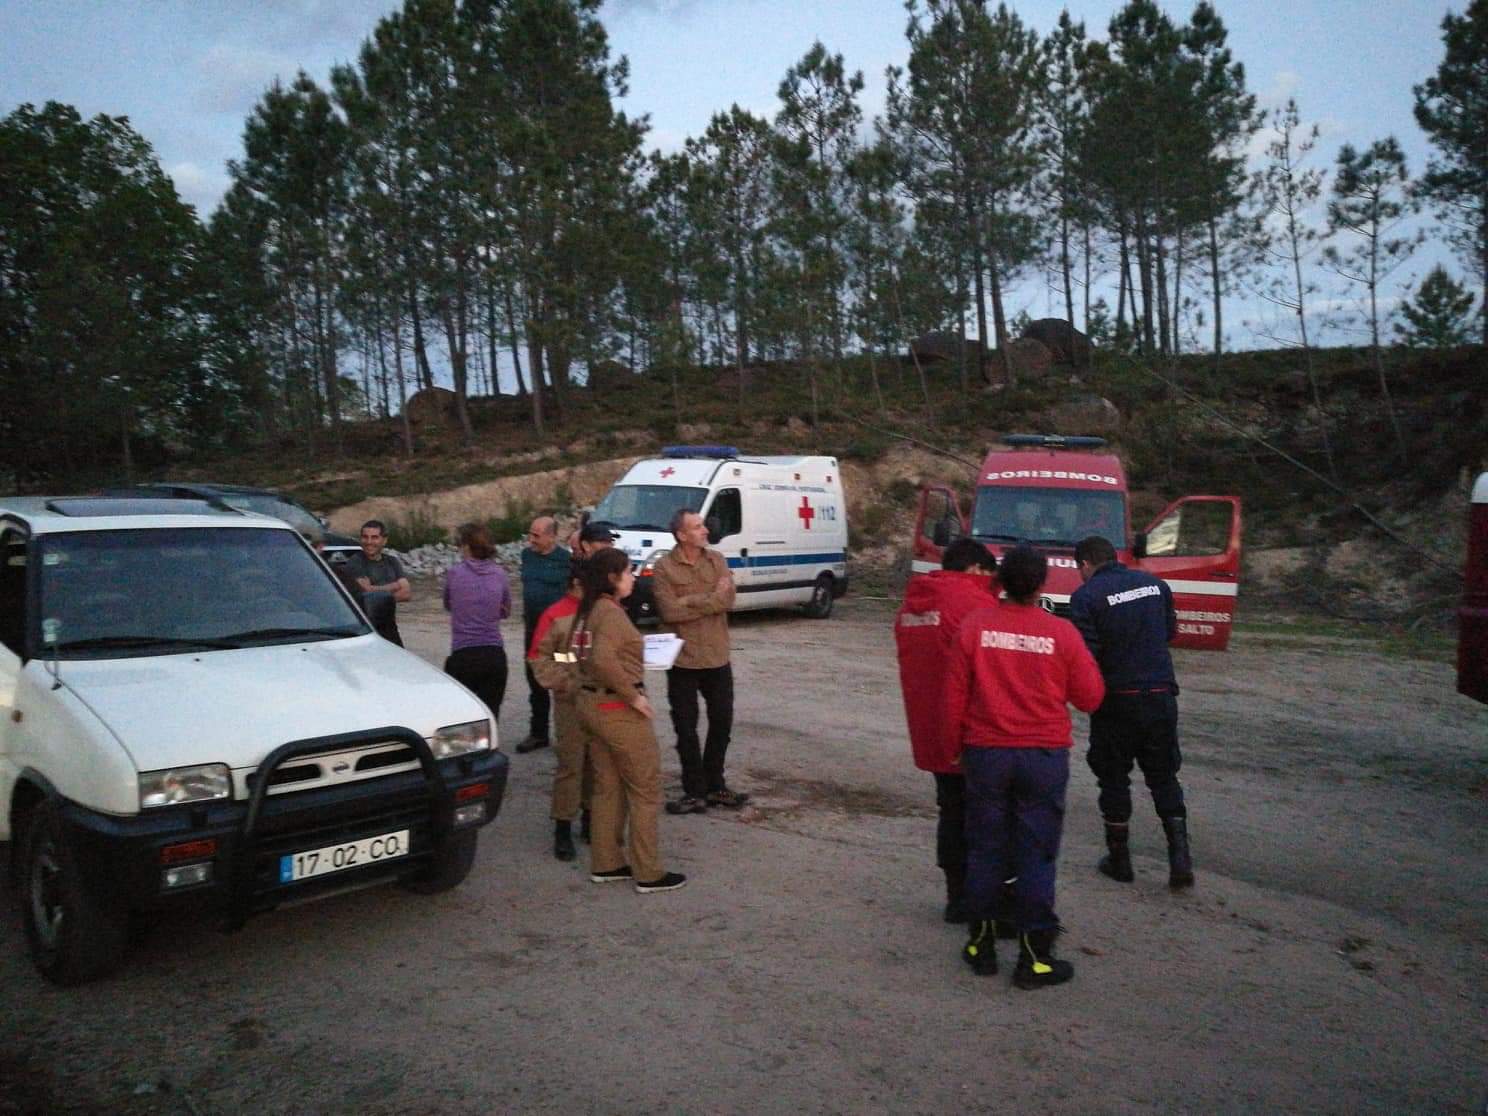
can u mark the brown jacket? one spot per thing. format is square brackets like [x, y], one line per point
[692, 605]
[554, 668]
[611, 651]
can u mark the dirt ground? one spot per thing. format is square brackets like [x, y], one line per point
[1333, 958]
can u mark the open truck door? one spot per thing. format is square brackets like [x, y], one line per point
[939, 524]
[1194, 545]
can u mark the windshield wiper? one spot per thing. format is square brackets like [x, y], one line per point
[1052, 542]
[640, 527]
[998, 538]
[142, 641]
[289, 633]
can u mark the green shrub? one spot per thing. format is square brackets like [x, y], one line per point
[418, 529]
[511, 525]
[903, 492]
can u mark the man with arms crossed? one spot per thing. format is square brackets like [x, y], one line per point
[694, 591]
[376, 571]
[1128, 620]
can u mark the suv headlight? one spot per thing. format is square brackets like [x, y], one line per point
[651, 559]
[184, 784]
[457, 740]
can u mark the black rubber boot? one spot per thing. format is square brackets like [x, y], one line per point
[1117, 861]
[1180, 862]
[584, 827]
[1037, 965]
[955, 908]
[980, 950]
[563, 846]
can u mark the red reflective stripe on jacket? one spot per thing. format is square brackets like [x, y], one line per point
[1011, 672]
[924, 648]
[564, 606]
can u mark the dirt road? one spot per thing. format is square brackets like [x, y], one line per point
[1334, 957]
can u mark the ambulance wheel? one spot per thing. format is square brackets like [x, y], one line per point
[819, 607]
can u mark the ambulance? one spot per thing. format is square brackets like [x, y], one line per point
[1472, 617]
[1050, 491]
[781, 522]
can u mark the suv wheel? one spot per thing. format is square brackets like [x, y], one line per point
[74, 936]
[450, 866]
[820, 605]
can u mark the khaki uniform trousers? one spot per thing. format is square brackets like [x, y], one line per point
[573, 781]
[627, 786]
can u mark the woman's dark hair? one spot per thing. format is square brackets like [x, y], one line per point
[1022, 573]
[594, 578]
[477, 538]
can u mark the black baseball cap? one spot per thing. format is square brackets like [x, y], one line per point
[597, 532]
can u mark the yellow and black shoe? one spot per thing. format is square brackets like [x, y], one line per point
[1037, 965]
[980, 950]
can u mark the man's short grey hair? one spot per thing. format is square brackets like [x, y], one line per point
[679, 519]
[544, 525]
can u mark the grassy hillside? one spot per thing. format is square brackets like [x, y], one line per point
[1168, 430]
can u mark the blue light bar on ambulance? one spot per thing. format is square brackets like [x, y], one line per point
[1054, 441]
[720, 453]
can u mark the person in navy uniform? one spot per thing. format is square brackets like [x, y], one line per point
[1128, 620]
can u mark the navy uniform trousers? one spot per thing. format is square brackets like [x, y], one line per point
[1014, 821]
[1138, 727]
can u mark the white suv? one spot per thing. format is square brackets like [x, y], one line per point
[193, 711]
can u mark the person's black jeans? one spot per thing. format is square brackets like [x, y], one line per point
[950, 827]
[702, 771]
[537, 696]
[1141, 729]
[482, 670]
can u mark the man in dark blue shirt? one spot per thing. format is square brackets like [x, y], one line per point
[1127, 619]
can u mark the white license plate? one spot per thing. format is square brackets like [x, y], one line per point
[339, 858]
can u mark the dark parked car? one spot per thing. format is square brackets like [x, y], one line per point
[265, 501]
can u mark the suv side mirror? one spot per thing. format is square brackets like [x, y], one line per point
[1139, 545]
[941, 535]
[715, 529]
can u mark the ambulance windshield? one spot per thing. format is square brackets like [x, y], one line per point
[1048, 516]
[646, 507]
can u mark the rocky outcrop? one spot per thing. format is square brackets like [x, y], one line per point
[1066, 343]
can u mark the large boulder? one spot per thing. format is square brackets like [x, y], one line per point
[932, 347]
[1027, 360]
[1083, 414]
[610, 375]
[1067, 343]
[435, 405]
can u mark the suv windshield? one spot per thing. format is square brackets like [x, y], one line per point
[1050, 516]
[646, 507]
[113, 594]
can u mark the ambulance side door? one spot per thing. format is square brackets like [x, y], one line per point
[1194, 545]
[724, 517]
[938, 524]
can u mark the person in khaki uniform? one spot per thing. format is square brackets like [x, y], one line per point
[613, 706]
[554, 667]
[694, 591]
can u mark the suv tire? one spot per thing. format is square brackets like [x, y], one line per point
[75, 935]
[451, 864]
[820, 605]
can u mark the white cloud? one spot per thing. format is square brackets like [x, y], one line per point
[200, 188]
[234, 77]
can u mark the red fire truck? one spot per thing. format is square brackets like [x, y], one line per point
[1051, 491]
[1472, 617]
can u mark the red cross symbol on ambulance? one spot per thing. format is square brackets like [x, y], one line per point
[668, 471]
[806, 512]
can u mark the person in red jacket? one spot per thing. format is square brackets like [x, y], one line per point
[924, 630]
[1011, 671]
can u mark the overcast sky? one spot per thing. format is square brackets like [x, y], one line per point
[187, 72]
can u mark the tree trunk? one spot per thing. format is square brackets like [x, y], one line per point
[420, 352]
[999, 320]
[516, 352]
[978, 262]
[1217, 288]
[1065, 268]
[405, 422]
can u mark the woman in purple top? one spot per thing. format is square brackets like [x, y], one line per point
[477, 597]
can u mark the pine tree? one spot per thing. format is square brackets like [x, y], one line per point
[1452, 108]
[1440, 316]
